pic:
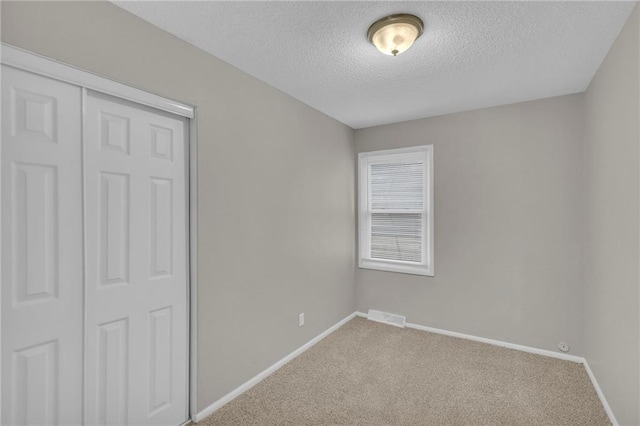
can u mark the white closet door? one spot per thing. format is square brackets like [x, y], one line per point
[135, 185]
[41, 251]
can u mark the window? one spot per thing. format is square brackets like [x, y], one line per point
[396, 210]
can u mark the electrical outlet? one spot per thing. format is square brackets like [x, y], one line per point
[564, 347]
[301, 319]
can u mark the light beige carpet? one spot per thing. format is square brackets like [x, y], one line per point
[367, 373]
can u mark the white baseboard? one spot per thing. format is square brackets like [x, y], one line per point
[500, 343]
[517, 347]
[264, 374]
[605, 404]
[522, 348]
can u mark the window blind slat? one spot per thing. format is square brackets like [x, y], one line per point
[396, 236]
[397, 186]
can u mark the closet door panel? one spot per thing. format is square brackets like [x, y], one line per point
[42, 260]
[135, 178]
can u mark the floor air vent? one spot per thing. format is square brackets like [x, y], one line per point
[383, 317]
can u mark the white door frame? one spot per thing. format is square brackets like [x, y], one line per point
[37, 64]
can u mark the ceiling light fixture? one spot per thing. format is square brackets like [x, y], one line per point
[394, 34]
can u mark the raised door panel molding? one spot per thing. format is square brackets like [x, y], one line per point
[160, 359]
[35, 233]
[113, 373]
[114, 132]
[114, 229]
[161, 219]
[35, 385]
[33, 116]
[161, 143]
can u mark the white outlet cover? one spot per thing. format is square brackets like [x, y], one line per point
[564, 347]
[301, 320]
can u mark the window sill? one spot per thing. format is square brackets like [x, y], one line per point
[396, 267]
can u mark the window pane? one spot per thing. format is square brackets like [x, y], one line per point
[396, 236]
[397, 186]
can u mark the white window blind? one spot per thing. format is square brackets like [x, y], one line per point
[395, 210]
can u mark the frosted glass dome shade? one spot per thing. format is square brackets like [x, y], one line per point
[395, 34]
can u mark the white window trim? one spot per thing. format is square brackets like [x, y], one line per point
[364, 262]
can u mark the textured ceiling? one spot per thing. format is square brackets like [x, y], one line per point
[472, 54]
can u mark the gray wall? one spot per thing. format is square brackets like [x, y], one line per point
[508, 224]
[518, 198]
[276, 230]
[611, 172]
